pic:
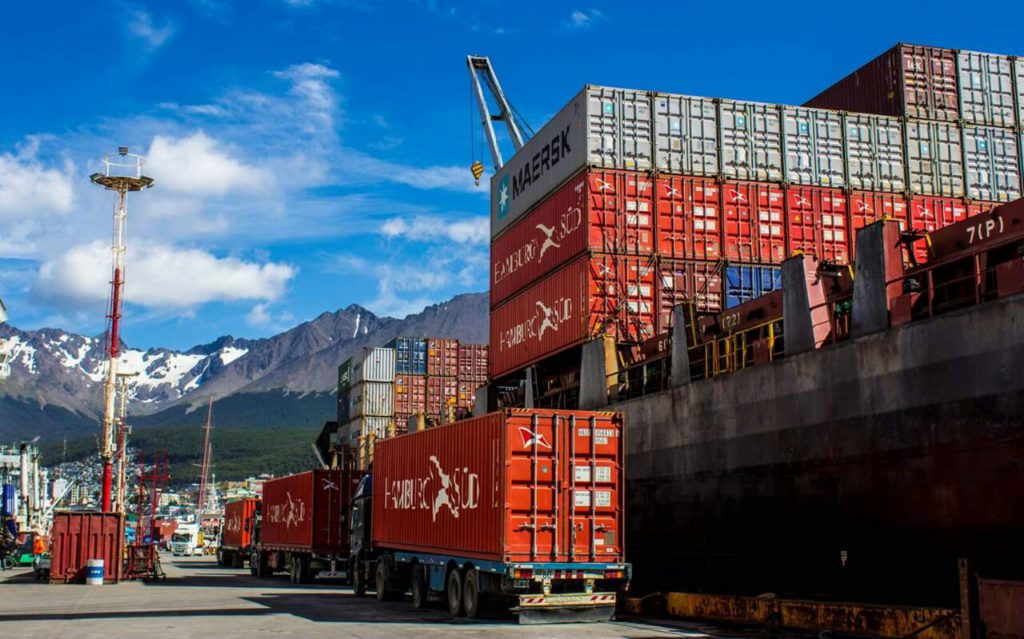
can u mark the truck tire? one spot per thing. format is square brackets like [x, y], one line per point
[454, 592]
[358, 579]
[381, 582]
[471, 593]
[419, 588]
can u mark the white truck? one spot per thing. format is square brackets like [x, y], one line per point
[187, 540]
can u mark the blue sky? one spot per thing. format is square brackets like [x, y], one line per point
[310, 154]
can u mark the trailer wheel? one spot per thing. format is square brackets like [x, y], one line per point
[419, 587]
[471, 593]
[455, 593]
[296, 570]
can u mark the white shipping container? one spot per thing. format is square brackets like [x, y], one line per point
[751, 141]
[374, 365]
[375, 399]
[935, 158]
[605, 127]
[986, 89]
[813, 143]
[874, 153]
[1018, 83]
[686, 134]
[992, 163]
[379, 427]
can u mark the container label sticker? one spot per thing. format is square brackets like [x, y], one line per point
[583, 473]
[582, 499]
[604, 498]
[609, 108]
[604, 473]
[741, 120]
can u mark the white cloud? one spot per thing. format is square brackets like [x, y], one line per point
[430, 228]
[200, 165]
[582, 19]
[159, 277]
[142, 25]
[28, 187]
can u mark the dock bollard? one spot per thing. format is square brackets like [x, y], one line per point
[94, 572]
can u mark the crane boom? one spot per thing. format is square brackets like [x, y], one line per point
[482, 64]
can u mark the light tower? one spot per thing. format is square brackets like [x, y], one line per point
[122, 172]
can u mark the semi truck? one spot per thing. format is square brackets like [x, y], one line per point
[236, 532]
[302, 526]
[187, 540]
[523, 506]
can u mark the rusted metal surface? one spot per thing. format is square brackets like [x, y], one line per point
[851, 618]
[1001, 606]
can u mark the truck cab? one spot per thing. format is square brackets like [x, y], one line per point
[187, 541]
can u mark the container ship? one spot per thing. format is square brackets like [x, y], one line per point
[805, 314]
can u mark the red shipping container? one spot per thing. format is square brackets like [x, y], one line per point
[473, 362]
[754, 221]
[467, 393]
[907, 80]
[410, 394]
[238, 517]
[867, 207]
[930, 214]
[441, 392]
[306, 512]
[602, 211]
[167, 528]
[594, 295]
[818, 222]
[977, 207]
[689, 218]
[685, 280]
[442, 357]
[77, 537]
[474, 489]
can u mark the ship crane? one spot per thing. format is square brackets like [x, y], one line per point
[506, 113]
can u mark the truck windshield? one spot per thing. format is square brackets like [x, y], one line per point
[181, 537]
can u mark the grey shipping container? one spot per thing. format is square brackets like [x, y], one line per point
[992, 160]
[935, 158]
[601, 126]
[875, 153]
[986, 89]
[374, 365]
[813, 143]
[686, 134]
[376, 399]
[750, 141]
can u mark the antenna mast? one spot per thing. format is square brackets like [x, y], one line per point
[204, 470]
[122, 172]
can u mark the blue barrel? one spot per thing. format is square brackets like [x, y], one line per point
[9, 506]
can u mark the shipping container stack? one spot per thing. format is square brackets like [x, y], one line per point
[962, 117]
[629, 202]
[410, 379]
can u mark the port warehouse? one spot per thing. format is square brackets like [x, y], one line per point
[661, 200]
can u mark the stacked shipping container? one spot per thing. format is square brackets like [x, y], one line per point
[629, 202]
[384, 387]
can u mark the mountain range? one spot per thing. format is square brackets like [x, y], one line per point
[55, 388]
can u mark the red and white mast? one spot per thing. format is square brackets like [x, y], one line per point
[122, 172]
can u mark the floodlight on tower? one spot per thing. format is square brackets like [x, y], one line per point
[122, 173]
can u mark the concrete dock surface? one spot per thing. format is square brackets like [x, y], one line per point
[200, 599]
